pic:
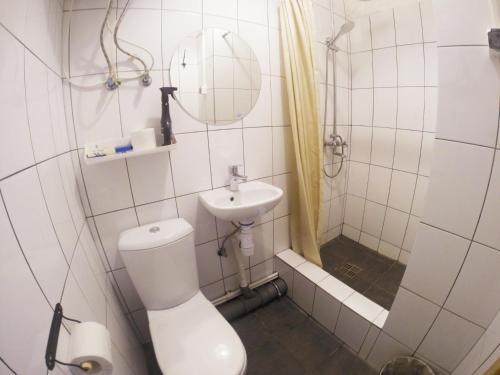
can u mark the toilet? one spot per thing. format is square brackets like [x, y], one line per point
[190, 336]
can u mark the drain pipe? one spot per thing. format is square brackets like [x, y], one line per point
[243, 305]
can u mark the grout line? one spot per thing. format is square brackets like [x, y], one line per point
[8, 367]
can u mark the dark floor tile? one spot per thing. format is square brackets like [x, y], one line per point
[380, 296]
[273, 359]
[356, 283]
[280, 315]
[252, 332]
[344, 362]
[309, 343]
[391, 279]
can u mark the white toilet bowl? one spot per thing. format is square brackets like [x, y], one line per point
[190, 336]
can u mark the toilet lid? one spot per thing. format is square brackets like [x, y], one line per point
[194, 338]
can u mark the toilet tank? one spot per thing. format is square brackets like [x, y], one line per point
[160, 259]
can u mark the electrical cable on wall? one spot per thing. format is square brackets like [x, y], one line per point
[114, 79]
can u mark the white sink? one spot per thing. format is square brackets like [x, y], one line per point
[253, 199]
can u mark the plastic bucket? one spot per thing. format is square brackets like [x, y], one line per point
[406, 366]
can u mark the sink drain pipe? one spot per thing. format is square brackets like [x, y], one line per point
[261, 295]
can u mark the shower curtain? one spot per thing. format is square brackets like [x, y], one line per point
[297, 44]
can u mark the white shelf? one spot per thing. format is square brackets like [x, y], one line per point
[122, 155]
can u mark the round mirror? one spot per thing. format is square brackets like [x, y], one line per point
[217, 75]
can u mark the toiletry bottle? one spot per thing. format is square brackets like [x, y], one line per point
[166, 122]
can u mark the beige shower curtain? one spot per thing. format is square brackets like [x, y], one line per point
[297, 44]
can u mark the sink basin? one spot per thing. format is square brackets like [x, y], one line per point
[253, 199]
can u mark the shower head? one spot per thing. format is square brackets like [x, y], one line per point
[344, 29]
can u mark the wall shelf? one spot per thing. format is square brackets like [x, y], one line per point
[122, 155]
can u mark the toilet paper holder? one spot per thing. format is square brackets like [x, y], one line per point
[50, 352]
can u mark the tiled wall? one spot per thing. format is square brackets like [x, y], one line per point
[329, 16]
[446, 310]
[124, 194]
[394, 98]
[47, 253]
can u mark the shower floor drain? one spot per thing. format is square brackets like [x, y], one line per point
[350, 270]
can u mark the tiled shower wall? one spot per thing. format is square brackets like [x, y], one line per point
[47, 253]
[124, 194]
[394, 98]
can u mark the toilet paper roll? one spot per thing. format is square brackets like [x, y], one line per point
[90, 347]
[143, 139]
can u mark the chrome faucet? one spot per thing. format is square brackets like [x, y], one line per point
[235, 178]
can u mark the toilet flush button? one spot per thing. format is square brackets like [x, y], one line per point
[154, 229]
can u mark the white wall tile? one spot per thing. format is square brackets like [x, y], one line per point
[362, 74]
[411, 232]
[281, 236]
[158, 211]
[253, 11]
[361, 143]
[487, 232]
[373, 218]
[385, 107]
[410, 65]
[411, 108]
[282, 150]
[279, 107]
[394, 226]
[107, 186]
[408, 24]
[418, 204]
[151, 178]
[28, 213]
[191, 209]
[15, 145]
[110, 226]
[407, 150]
[449, 340]
[465, 24]
[285, 183]
[383, 34]
[441, 255]
[362, 107]
[191, 158]
[402, 189]
[384, 67]
[258, 164]
[378, 184]
[383, 145]
[37, 104]
[468, 96]
[15, 271]
[428, 21]
[447, 207]
[389, 250]
[177, 25]
[474, 295]
[358, 179]
[369, 241]
[264, 243]
[426, 155]
[430, 114]
[209, 266]
[55, 198]
[257, 38]
[410, 318]
[226, 149]
[354, 211]
[431, 64]
[226, 8]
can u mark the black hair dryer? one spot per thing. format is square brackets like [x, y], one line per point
[166, 122]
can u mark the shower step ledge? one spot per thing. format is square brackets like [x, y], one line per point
[289, 265]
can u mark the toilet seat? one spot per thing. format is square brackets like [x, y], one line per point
[194, 338]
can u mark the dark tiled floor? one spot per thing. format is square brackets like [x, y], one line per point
[379, 277]
[281, 340]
